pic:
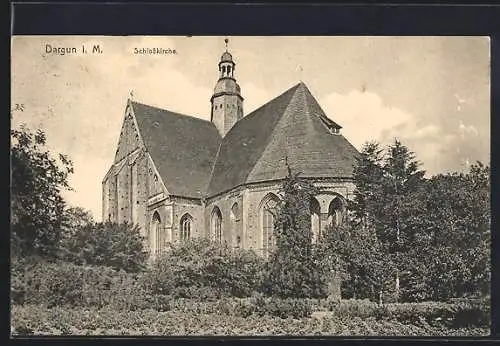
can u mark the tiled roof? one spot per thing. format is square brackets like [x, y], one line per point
[183, 148]
[292, 127]
[195, 162]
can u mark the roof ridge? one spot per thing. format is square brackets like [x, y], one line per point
[171, 112]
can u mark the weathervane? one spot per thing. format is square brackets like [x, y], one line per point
[301, 69]
[226, 40]
[131, 94]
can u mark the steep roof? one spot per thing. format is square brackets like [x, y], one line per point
[194, 161]
[183, 148]
[291, 127]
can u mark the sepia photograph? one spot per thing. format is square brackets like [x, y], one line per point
[250, 186]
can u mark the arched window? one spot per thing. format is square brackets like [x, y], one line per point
[315, 220]
[186, 226]
[156, 234]
[268, 214]
[336, 211]
[216, 224]
[235, 224]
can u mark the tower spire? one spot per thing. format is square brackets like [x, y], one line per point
[227, 102]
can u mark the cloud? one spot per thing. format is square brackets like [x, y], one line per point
[364, 117]
[79, 100]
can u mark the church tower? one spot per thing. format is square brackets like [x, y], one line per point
[227, 103]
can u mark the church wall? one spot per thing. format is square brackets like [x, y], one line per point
[123, 186]
[112, 199]
[164, 209]
[253, 198]
[141, 193]
[250, 199]
[129, 138]
[193, 208]
[105, 199]
[230, 228]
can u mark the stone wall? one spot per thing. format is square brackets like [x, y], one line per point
[231, 228]
[192, 207]
[250, 200]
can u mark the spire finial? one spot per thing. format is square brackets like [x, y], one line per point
[226, 40]
[131, 94]
[301, 69]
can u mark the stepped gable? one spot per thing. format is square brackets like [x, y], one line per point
[292, 128]
[183, 148]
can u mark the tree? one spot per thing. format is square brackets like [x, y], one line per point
[433, 233]
[402, 182]
[292, 272]
[388, 201]
[37, 206]
[457, 246]
[368, 174]
[119, 246]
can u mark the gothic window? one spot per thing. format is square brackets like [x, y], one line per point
[155, 182]
[216, 225]
[186, 226]
[336, 211]
[156, 235]
[268, 212]
[315, 219]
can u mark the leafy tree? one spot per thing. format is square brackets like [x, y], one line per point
[292, 271]
[119, 246]
[37, 207]
[74, 219]
[456, 246]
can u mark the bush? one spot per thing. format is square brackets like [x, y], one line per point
[119, 246]
[466, 313]
[62, 283]
[78, 321]
[202, 269]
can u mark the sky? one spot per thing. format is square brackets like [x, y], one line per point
[432, 93]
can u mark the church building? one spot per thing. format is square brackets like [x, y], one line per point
[180, 177]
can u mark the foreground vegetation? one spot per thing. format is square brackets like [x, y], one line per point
[409, 247]
[36, 320]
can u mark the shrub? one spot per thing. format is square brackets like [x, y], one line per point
[62, 283]
[467, 313]
[206, 270]
[78, 321]
[119, 246]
